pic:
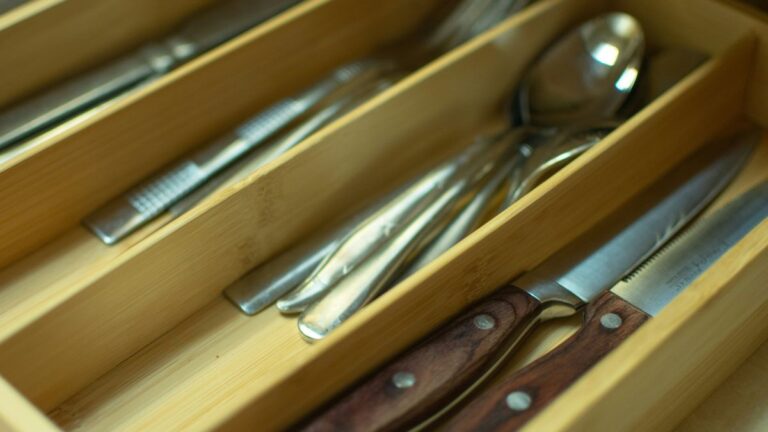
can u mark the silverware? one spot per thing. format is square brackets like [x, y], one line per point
[264, 284]
[620, 311]
[6, 5]
[582, 100]
[447, 367]
[472, 215]
[187, 183]
[378, 270]
[127, 213]
[199, 34]
[379, 228]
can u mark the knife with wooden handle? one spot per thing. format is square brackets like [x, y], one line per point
[443, 370]
[614, 316]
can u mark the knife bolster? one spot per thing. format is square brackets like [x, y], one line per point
[556, 301]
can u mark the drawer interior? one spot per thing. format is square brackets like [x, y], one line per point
[48, 184]
[48, 40]
[139, 337]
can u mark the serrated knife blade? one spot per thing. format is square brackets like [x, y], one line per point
[451, 365]
[617, 314]
[660, 279]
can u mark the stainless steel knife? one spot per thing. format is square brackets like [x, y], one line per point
[435, 375]
[615, 315]
[198, 34]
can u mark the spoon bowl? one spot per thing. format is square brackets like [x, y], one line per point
[585, 77]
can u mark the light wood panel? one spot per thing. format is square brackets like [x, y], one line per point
[240, 229]
[638, 152]
[48, 189]
[707, 23]
[738, 404]
[141, 294]
[18, 415]
[671, 364]
[45, 41]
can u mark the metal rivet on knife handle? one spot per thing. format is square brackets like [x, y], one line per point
[484, 322]
[518, 401]
[611, 321]
[403, 380]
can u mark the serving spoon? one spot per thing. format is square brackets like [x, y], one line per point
[605, 52]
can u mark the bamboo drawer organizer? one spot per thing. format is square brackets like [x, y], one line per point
[137, 336]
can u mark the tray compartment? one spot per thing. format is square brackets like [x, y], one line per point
[145, 341]
[61, 177]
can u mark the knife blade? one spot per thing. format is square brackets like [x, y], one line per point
[435, 375]
[614, 316]
[198, 34]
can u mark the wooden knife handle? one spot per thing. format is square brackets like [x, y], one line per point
[438, 370]
[509, 405]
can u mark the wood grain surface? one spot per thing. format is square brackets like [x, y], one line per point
[441, 368]
[547, 377]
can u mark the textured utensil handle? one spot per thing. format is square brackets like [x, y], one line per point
[509, 405]
[156, 195]
[439, 370]
[74, 96]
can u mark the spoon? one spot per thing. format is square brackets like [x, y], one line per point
[263, 285]
[661, 71]
[546, 97]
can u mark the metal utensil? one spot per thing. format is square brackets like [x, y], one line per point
[199, 34]
[6, 5]
[441, 371]
[368, 278]
[614, 316]
[127, 213]
[616, 30]
[379, 228]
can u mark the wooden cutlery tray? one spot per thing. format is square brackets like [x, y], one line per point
[138, 337]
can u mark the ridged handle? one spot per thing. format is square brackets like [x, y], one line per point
[156, 195]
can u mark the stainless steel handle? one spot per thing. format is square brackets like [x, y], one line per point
[376, 230]
[468, 219]
[266, 283]
[123, 216]
[77, 95]
[366, 280]
[127, 213]
[222, 22]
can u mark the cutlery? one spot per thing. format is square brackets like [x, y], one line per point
[127, 213]
[343, 100]
[182, 186]
[6, 5]
[434, 376]
[197, 35]
[382, 226]
[285, 272]
[362, 283]
[585, 100]
[556, 147]
[615, 315]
